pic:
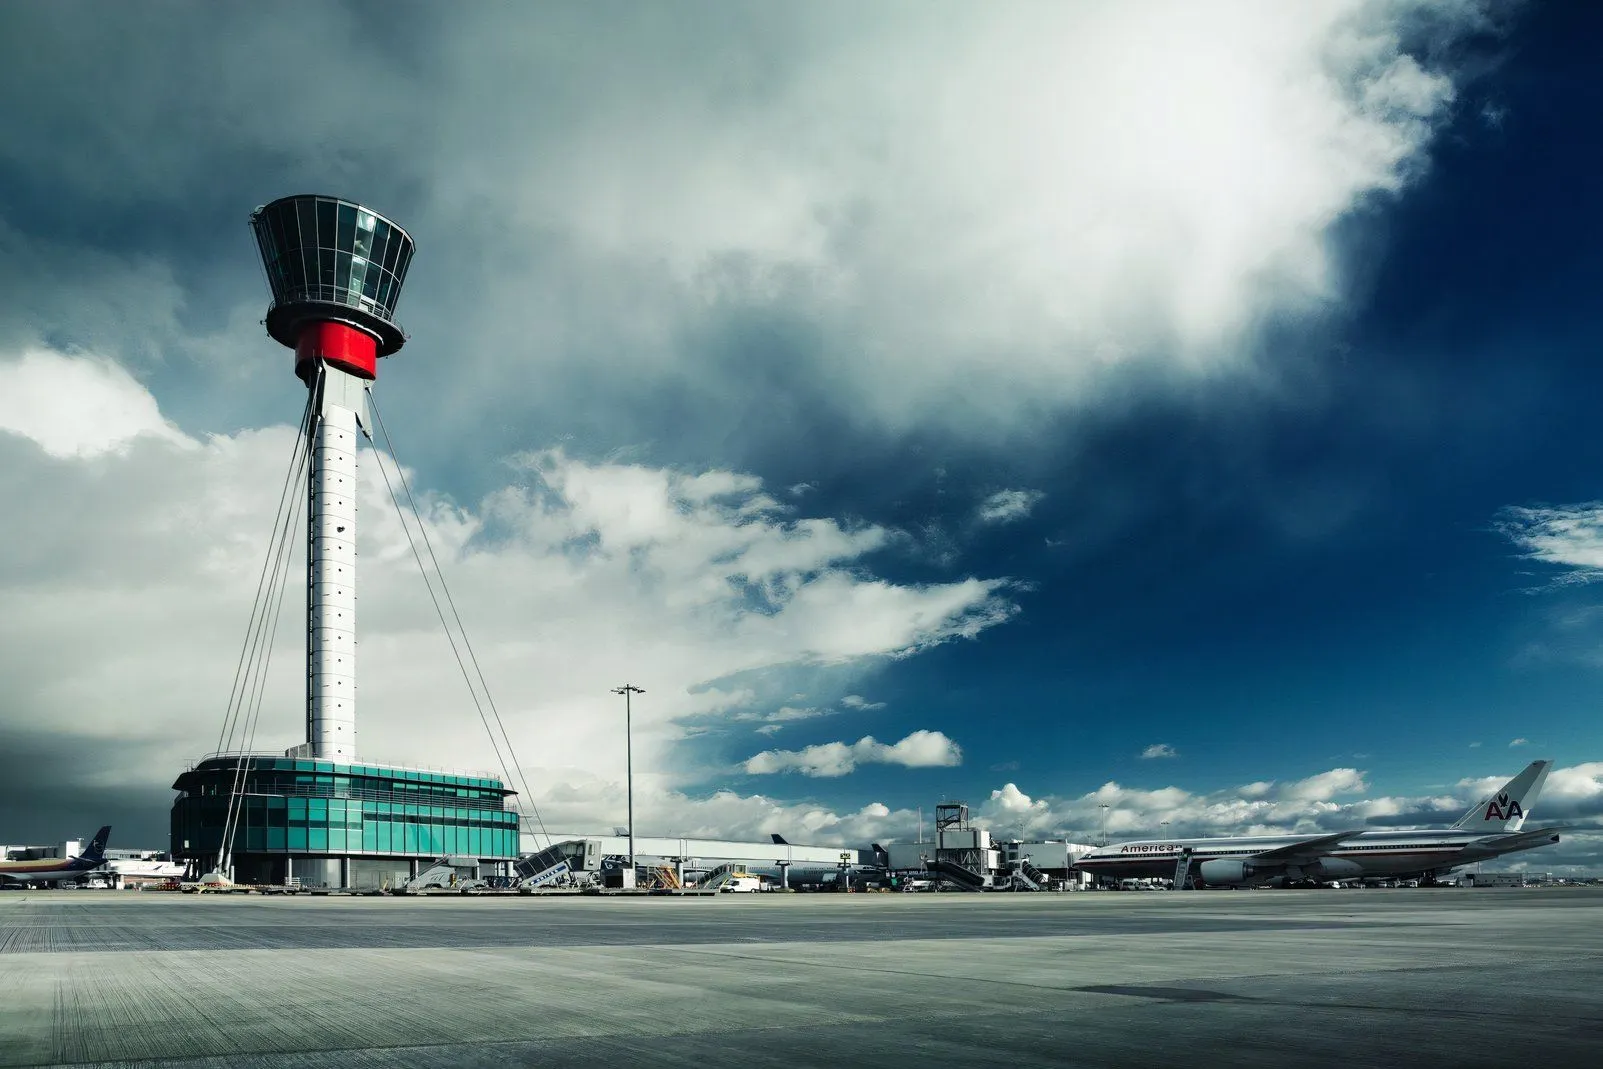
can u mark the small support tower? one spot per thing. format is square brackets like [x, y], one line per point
[335, 269]
[964, 855]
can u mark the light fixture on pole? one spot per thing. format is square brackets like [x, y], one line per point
[1104, 807]
[1165, 825]
[627, 690]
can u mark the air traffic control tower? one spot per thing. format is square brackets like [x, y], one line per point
[335, 269]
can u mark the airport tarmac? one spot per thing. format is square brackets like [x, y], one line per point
[1245, 978]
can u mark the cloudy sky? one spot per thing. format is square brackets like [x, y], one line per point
[1185, 407]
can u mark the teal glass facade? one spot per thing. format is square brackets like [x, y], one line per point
[301, 808]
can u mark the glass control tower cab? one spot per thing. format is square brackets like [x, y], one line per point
[335, 269]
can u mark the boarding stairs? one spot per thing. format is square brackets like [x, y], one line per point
[962, 877]
[714, 879]
[1026, 877]
[542, 869]
[664, 877]
[1182, 870]
[449, 872]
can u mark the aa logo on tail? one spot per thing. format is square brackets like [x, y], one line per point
[1503, 808]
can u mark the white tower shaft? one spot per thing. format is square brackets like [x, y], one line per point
[331, 567]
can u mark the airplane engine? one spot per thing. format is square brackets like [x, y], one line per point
[1339, 868]
[1222, 872]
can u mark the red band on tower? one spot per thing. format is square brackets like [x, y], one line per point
[338, 345]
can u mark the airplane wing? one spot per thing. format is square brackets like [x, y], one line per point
[1306, 850]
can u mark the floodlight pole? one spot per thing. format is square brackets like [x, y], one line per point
[627, 690]
[1104, 807]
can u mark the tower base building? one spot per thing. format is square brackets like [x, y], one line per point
[326, 824]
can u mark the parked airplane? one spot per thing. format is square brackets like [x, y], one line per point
[822, 877]
[1492, 827]
[47, 869]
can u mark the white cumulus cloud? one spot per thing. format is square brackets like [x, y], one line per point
[921, 749]
[78, 406]
[129, 569]
[1159, 749]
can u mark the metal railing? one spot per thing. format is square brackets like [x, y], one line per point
[279, 755]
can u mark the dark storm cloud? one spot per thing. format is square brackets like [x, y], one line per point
[55, 787]
[708, 231]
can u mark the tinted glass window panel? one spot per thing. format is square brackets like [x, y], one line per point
[289, 231]
[272, 232]
[401, 266]
[325, 224]
[392, 251]
[286, 269]
[347, 227]
[306, 213]
[381, 238]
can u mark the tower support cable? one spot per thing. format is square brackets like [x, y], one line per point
[526, 794]
[245, 704]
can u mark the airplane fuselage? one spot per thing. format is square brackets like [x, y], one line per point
[1377, 854]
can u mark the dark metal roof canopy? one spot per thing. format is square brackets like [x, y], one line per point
[332, 260]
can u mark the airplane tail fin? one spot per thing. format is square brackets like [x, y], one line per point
[97, 845]
[1506, 810]
[779, 840]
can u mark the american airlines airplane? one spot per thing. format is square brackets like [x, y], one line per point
[57, 868]
[1490, 828]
